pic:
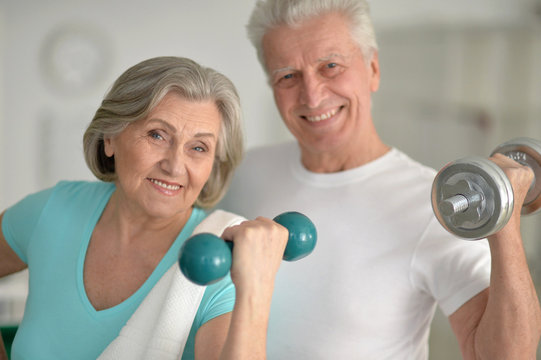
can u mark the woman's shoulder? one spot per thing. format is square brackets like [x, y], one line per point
[80, 194]
[82, 188]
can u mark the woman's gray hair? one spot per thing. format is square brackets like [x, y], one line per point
[138, 90]
[268, 14]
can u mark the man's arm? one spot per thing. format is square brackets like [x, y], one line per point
[503, 321]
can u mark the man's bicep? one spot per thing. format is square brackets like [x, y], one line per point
[465, 320]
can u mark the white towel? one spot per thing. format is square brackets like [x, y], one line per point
[160, 326]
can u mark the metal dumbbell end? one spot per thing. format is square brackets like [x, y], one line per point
[527, 152]
[206, 258]
[473, 198]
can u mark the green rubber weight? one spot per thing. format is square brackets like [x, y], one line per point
[205, 258]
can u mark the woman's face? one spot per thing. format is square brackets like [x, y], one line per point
[163, 161]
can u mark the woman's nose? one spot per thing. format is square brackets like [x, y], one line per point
[174, 161]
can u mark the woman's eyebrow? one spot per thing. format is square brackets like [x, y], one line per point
[164, 123]
[205, 134]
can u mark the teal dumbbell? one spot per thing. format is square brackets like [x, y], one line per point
[205, 258]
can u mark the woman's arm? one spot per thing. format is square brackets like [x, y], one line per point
[257, 254]
[9, 261]
[3, 354]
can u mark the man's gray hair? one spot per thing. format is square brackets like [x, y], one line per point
[268, 14]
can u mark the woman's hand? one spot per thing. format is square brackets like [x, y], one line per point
[257, 253]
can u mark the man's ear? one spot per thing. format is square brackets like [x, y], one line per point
[375, 74]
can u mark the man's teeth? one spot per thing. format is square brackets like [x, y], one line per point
[322, 116]
[164, 185]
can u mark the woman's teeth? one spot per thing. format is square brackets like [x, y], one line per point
[164, 185]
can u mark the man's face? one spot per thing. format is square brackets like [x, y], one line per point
[321, 83]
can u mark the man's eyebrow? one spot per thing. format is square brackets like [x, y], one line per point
[331, 56]
[323, 59]
[287, 68]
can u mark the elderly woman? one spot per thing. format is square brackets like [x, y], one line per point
[164, 144]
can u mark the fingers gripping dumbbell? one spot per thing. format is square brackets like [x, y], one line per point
[473, 198]
[205, 258]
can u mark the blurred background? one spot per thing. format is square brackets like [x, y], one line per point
[458, 78]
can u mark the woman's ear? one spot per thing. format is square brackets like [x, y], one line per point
[108, 147]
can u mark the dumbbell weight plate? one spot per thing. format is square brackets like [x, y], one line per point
[526, 151]
[205, 258]
[302, 235]
[483, 176]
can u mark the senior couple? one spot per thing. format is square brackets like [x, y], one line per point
[164, 145]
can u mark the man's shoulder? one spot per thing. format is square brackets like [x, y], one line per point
[403, 162]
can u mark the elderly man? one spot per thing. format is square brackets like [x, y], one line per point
[382, 263]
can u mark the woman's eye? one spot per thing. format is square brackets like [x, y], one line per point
[332, 65]
[155, 135]
[200, 147]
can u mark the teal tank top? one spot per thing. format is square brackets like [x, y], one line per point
[50, 231]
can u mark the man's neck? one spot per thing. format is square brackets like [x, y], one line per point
[343, 157]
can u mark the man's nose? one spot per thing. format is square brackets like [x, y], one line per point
[311, 93]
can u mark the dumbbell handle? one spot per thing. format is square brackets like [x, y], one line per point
[205, 258]
[460, 203]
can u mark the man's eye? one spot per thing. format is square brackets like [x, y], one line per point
[287, 80]
[331, 69]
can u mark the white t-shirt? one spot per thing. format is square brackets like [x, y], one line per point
[381, 264]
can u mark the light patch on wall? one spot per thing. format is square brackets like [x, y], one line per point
[75, 58]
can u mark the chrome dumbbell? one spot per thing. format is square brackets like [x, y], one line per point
[473, 198]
